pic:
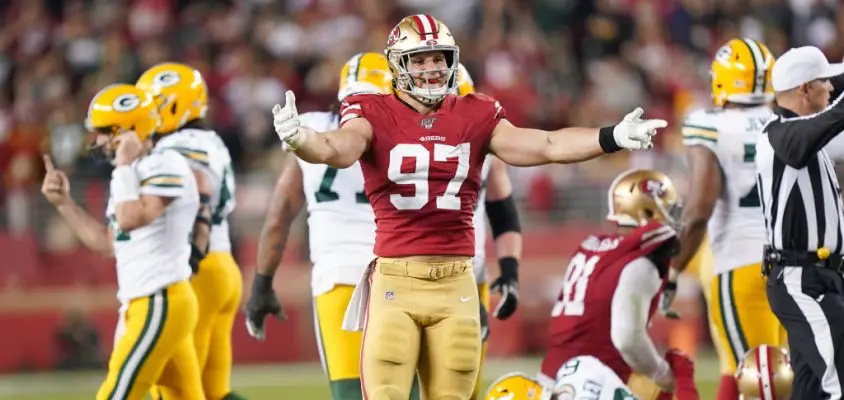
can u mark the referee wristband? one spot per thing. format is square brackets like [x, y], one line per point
[125, 185]
[606, 138]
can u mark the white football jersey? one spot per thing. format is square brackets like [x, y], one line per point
[341, 223]
[205, 151]
[587, 378]
[479, 219]
[736, 229]
[155, 256]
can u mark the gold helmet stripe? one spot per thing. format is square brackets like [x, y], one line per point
[759, 68]
[354, 69]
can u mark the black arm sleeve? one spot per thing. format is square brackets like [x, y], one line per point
[796, 140]
[661, 256]
[503, 216]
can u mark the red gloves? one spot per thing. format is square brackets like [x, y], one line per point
[683, 369]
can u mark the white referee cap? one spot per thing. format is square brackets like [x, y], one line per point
[802, 65]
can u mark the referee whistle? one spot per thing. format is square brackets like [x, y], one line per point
[823, 253]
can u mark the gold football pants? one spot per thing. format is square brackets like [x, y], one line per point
[421, 317]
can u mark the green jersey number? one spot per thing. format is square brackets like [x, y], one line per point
[751, 199]
[218, 215]
[324, 193]
[119, 236]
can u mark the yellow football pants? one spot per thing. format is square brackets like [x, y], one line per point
[483, 293]
[740, 315]
[156, 345]
[339, 350]
[219, 287]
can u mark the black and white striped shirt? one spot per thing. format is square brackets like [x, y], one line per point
[797, 181]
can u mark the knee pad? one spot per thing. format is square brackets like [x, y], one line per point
[394, 335]
[464, 344]
[386, 393]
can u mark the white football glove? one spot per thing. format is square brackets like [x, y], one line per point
[634, 133]
[286, 122]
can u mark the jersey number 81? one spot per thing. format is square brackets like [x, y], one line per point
[574, 286]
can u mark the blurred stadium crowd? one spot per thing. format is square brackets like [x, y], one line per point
[551, 63]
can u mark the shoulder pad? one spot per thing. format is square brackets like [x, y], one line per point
[353, 106]
[699, 126]
[714, 110]
[480, 97]
[162, 159]
[482, 100]
[653, 236]
[600, 243]
[359, 98]
[188, 145]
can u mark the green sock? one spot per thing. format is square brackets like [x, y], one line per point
[234, 396]
[414, 390]
[346, 389]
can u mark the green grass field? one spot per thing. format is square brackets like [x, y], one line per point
[273, 382]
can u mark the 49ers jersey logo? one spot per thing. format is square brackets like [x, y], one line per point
[394, 36]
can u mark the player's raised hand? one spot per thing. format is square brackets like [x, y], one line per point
[262, 302]
[634, 133]
[129, 148]
[286, 122]
[56, 186]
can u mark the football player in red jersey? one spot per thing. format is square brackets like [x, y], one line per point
[421, 150]
[611, 290]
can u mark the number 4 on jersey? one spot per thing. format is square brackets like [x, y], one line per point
[574, 286]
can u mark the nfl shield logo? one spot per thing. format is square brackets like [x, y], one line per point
[427, 123]
[389, 295]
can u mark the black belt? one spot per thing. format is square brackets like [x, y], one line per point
[795, 258]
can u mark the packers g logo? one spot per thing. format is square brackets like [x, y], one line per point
[166, 79]
[723, 54]
[126, 102]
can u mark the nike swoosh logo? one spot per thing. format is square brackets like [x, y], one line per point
[465, 299]
[819, 299]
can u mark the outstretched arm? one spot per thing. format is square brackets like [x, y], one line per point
[339, 148]
[528, 147]
[91, 232]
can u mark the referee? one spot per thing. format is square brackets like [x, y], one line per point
[804, 218]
